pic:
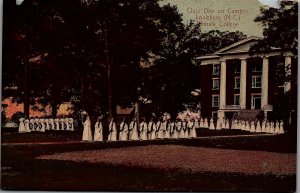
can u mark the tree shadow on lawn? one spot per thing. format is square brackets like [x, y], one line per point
[67, 175]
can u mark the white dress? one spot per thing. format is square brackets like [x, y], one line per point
[192, 128]
[143, 131]
[158, 130]
[168, 130]
[67, 124]
[47, 124]
[163, 129]
[87, 132]
[71, 124]
[123, 131]
[177, 130]
[133, 134]
[112, 132]
[22, 128]
[151, 132]
[98, 136]
[62, 124]
[51, 124]
[27, 127]
[186, 130]
[173, 132]
[182, 132]
[56, 124]
[42, 122]
[37, 124]
[31, 125]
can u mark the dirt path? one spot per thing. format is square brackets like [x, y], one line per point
[191, 159]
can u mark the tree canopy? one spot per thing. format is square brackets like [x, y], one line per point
[97, 54]
[280, 27]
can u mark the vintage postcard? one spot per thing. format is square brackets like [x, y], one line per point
[149, 95]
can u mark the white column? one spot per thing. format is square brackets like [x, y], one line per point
[222, 90]
[288, 63]
[265, 82]
[243, 83]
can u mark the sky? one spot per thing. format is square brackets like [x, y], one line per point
[224, 15]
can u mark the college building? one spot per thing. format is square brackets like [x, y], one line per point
[235, 83]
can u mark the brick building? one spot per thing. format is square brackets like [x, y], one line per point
[235, 83]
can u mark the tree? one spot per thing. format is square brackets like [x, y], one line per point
[281, 31]
[174, 74]
[214, 40]
[280, 27]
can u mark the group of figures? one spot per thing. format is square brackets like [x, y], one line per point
[265, 126]
[151, 130]
[42, 124]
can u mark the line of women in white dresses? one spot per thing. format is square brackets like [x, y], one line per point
[43, 124]
[142, 131]
[272, 127]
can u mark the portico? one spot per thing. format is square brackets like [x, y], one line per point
[250, 75]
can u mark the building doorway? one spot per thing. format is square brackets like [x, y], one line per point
[256, 101]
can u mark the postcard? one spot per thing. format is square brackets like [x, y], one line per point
[149, 95]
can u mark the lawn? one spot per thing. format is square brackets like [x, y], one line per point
[202, 164]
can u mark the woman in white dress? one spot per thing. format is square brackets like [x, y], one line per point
[98, 135]
[22, 128]
[163, 129]
[27, 127]
[31, 125]
[143, 130]
[168, 127]
[56, 121]
[112, 130]
[37, 124]
[192, 128]
[158, 130]
[133, 130]
[123, 130]
[51, 124]
[151, 130]
[172, 129]
[47, 124]
[177, 129]
[182, 130]
[71, 124]
[87, 132]
[185, 129]
[42, 123]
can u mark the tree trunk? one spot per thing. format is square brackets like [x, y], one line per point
[82, 97]
[111, 105]
[54, 108]
[26, 87]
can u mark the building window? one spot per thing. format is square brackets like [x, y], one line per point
[256, 101]
[237, 69]
[236, 100]
[237, 82]
[215, 100]
[257, 68]
[256, 81]
[214, 114]
[216, 69]
[216, 83]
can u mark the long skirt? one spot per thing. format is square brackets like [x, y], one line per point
[98, 135]
[112, 136]
[133, 135]
[193, 133]
[123, 136]
[143, 135]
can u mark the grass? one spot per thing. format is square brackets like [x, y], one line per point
[21, 171]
